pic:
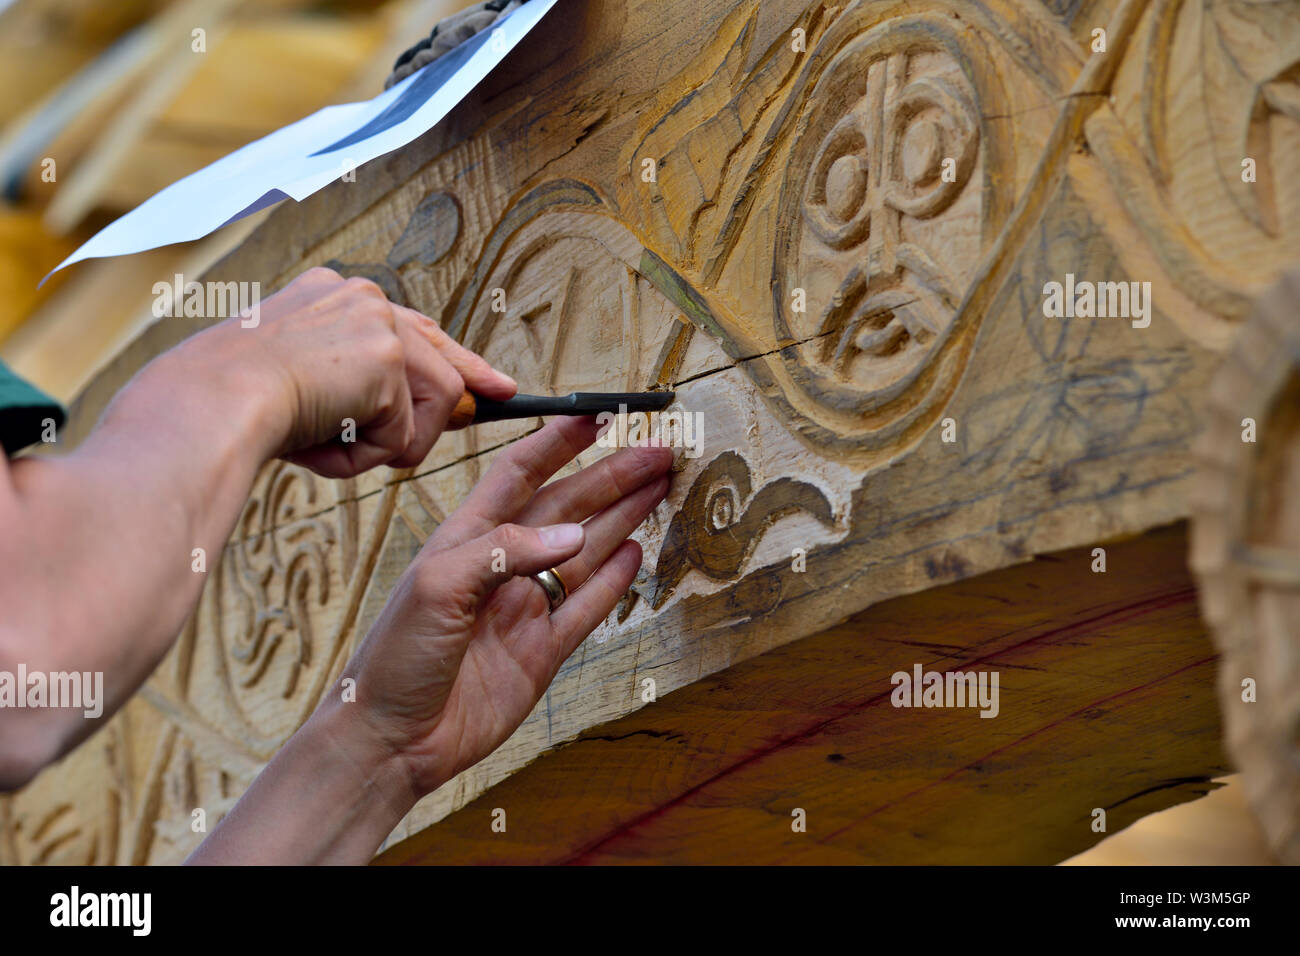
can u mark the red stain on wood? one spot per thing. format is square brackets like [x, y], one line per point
[1106, 700]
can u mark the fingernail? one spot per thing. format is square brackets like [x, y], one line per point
[561, 535]
[507, 378]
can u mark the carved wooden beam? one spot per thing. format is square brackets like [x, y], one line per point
[830, 228]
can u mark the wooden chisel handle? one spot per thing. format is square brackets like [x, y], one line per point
[463, 414]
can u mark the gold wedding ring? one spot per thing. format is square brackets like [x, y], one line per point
[553, 585]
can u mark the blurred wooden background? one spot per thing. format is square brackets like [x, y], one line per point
[124, 100]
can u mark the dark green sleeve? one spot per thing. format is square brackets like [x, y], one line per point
[23, 411]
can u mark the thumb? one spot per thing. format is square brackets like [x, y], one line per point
[510, 550]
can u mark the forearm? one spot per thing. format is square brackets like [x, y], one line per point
[330, 796]
[98, 545]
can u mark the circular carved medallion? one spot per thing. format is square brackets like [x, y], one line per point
[882, 218]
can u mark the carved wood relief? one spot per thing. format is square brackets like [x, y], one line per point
[827, 251]
[1246, 554]
[880, 232]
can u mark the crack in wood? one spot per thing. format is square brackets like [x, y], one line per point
[329, 509]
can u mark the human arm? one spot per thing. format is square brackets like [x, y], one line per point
[96, 546]
[459, 656]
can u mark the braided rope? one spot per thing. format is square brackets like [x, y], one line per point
[448, 34]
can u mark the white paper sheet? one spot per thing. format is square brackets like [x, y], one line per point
[300, 159]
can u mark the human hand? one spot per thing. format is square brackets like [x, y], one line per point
[335, 349]
[462, 653]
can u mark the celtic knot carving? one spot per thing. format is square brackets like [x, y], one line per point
[279, 565]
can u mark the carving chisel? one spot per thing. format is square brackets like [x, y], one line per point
[472, 410]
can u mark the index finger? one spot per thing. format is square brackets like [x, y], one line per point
[480, 377]
[514, 478]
